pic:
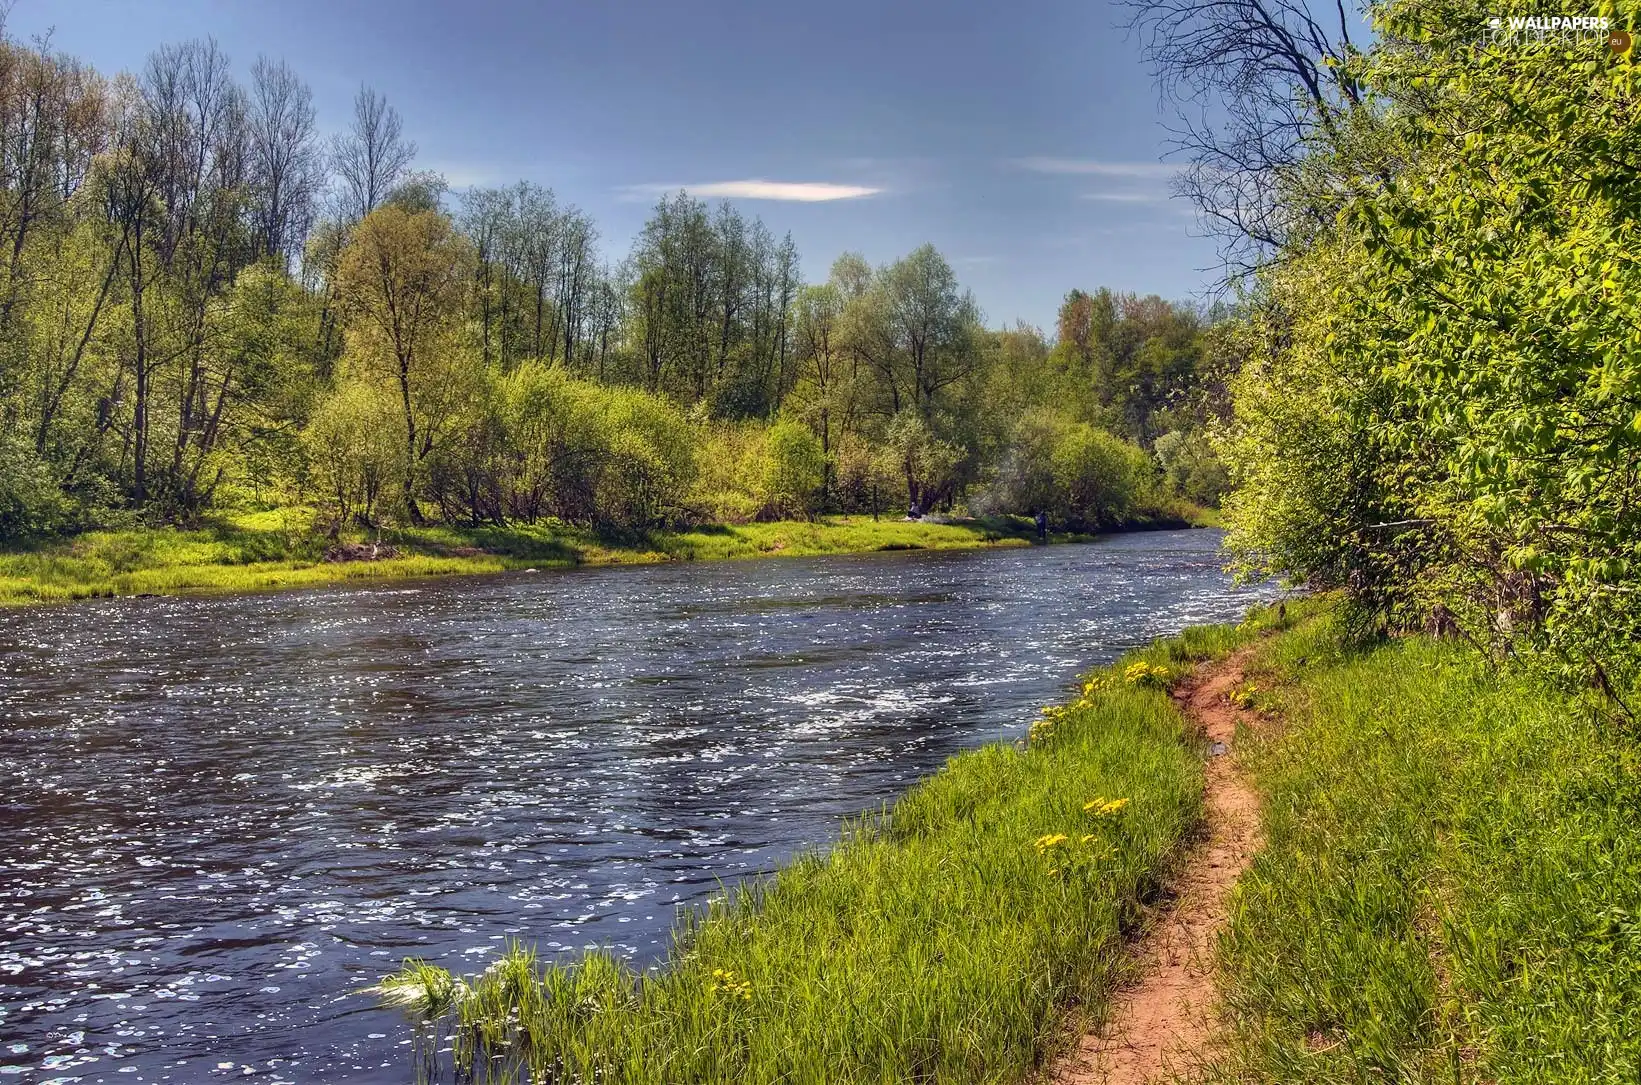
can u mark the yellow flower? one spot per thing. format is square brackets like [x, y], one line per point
[1100, 806]
[1144, 674]
[1050, 840]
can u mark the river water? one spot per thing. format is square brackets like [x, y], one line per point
[220, 817]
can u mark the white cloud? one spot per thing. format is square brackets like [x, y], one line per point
[1127, 197]
[760, 189]
[1092, 167]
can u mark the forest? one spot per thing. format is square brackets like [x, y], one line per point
[205, 308]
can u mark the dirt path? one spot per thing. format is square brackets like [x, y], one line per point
[1159, 1026]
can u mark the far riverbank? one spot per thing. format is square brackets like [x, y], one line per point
[278, 549]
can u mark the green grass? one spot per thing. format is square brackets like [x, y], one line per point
[1451, 886]
[942, 940]
[279, 549]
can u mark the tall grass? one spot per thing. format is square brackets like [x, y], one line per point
[1451, 886]
[938, 941]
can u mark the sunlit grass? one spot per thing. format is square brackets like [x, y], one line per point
[279, 549]
[942, 940]
[1451, 887]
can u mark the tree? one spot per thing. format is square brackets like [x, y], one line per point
[1082, 476]
[286, 173]
[180, 331]
[932, 324]
[353, 455]
[927, 463]
[371, 156]
[711, 298]
[401, 280]
[1190, 467]
[825, 388]
[1099, 479]
[487, 220]
[53, 124]
[1255, 84]
[1438, 413]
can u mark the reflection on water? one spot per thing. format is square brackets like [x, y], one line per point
[220, 817]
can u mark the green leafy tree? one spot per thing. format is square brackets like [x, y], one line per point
[401, 280]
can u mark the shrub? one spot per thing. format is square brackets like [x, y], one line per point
[729, 487]
[30, 502]
[1190, 468]
[793, 471]
[1099, 479]
[355, 451]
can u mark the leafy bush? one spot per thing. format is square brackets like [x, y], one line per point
[1441, 412]
[1082, 476]
[729, 487]
[355, 450]
[647, 459]
[1099, 478]
[31, 503]
[794, 470]
[1190, 467]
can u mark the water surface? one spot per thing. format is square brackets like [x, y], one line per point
[220, 816]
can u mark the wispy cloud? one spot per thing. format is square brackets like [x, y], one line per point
[1127, 197]
[1093, 167]
[759, 189]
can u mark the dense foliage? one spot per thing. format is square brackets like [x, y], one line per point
[1441, 411]
[203, 307]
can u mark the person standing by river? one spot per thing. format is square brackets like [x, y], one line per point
[1042, 526]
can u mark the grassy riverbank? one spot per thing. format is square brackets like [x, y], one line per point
[940, 941]
[1451, 885]
[279, 549]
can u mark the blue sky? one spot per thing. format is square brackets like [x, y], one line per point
[1023, 139]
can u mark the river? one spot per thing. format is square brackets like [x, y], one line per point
[221, 816]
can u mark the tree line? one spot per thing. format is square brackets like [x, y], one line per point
[206, 306]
